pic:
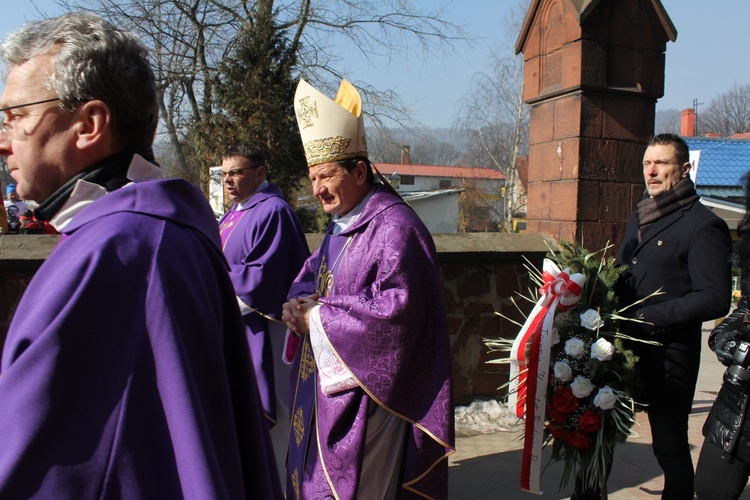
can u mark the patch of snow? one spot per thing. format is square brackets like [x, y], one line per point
[485, 417]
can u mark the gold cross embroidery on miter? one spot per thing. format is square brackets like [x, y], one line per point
[306, 110]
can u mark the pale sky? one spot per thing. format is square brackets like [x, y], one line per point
[700, 65]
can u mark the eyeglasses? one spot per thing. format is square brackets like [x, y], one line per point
[7, 126]
[237, 171]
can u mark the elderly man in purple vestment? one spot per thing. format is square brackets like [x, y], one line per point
[265, 246]
[372, 413]
[129, 374]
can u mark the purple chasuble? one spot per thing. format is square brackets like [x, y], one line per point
[265, 246]
[129, 374]
[384, 316]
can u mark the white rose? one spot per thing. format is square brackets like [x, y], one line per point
[591, 320]
[605, 398]
[574, 347]
[581, 387]
[563, 370]
[602, 350]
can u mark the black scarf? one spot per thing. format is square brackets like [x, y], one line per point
[651, 210]
[110, 173]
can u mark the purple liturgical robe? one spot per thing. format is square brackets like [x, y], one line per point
[384, 316]
[127, 374]
[265, 246]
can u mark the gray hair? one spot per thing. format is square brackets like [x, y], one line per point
[94, 60]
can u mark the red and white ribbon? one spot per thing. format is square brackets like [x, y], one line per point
[528, 378]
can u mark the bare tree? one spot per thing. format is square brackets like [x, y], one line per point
[667, 121]
[431, 151]
[428, 146]
[729, 113]
[191, 38]
[384, 146]
[496, 118]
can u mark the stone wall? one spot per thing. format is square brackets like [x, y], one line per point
[20, 257]
[482, 272]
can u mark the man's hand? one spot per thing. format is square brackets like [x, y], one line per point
[296, 313]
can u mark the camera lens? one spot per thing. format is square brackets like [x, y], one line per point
[738, 373]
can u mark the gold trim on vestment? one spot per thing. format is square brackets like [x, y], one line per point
[272, 420]
[306, 362]
[295, 483]
[233, 225]
[263, 315]
[402, 417]
[298, 424]
[320, 452]
[416, 424]
[407, 486]
[298, 408]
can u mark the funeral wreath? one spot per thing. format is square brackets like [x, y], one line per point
[573, 378]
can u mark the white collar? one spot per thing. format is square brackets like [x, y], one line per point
[342, 222]
[85, 193]
[243, 204]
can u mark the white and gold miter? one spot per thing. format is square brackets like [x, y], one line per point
[331, 130]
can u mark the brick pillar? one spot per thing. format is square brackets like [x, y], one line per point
[592, 76]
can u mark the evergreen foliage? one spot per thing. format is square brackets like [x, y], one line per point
[255, 101]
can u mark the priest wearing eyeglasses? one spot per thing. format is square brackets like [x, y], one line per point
[128, 375]
[265, 246]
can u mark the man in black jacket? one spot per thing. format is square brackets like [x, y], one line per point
[675, 244]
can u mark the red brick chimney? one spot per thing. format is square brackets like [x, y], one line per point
[687, 122]
[405, 155]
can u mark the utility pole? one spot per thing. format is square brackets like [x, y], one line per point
[695, 109]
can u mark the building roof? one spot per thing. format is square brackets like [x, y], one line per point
[440, 171]
[731, 206]
[731, 211]
[423, 195]
[723, 193]
[722, 163]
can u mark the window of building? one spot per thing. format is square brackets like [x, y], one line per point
[407, 179]
[445, 184]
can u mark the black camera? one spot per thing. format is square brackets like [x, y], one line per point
[739, 373]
